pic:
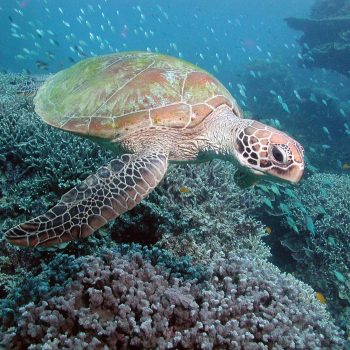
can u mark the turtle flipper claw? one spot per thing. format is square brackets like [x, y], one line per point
[112, 191]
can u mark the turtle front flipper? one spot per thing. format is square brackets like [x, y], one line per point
[112, 191]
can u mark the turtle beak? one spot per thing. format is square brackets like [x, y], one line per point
[294, 173]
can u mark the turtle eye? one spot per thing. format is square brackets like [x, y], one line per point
[278, 154]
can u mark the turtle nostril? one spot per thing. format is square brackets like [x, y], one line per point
[277, 154]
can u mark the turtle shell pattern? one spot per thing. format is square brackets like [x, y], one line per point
[110, 96]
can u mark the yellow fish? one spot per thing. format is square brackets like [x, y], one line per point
[268, 229]
[184, 189]
[346, 166]
[320, 297]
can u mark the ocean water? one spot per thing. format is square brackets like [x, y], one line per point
[218, 255]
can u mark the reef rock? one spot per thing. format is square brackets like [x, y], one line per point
[326, 39]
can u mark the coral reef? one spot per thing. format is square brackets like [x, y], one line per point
[330, 50]
[330, 8]
[147, 299]
[317, 226]
[213, 217]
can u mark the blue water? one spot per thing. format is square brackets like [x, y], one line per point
[250, 48]
[200, 27]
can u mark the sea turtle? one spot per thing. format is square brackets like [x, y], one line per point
[151, 109]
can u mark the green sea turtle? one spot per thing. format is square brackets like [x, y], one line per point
[151, 109]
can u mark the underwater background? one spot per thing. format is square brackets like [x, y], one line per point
[200, 263]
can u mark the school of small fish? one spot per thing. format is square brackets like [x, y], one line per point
[99, 30]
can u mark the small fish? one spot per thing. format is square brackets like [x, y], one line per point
[54, 42]
[275, 190]
[268, 203]
[331, 240]
[80, 50]
[313, 98]
[297, 95]
[290, 193]
[184, 189]
[285, 107]
[284, 208]
[310, 224]
[325, 130]
[299, 205]
[320, 297]
[292, 224]
[346, 166]
[40, 33]
[268, 230]
[41, 64]
[242, 92]
[339, 276]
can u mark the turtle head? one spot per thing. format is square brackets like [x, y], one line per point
[264, 150]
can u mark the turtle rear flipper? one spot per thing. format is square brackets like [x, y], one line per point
[112, 191]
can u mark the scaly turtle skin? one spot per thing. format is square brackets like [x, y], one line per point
[150, 109]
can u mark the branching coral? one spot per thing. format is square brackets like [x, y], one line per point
[139, 300]
[321, 215]
[212, 217]
[35, 158]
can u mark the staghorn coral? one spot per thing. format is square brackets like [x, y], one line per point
[143, 298]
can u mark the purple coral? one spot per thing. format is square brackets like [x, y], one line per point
[117, 301]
